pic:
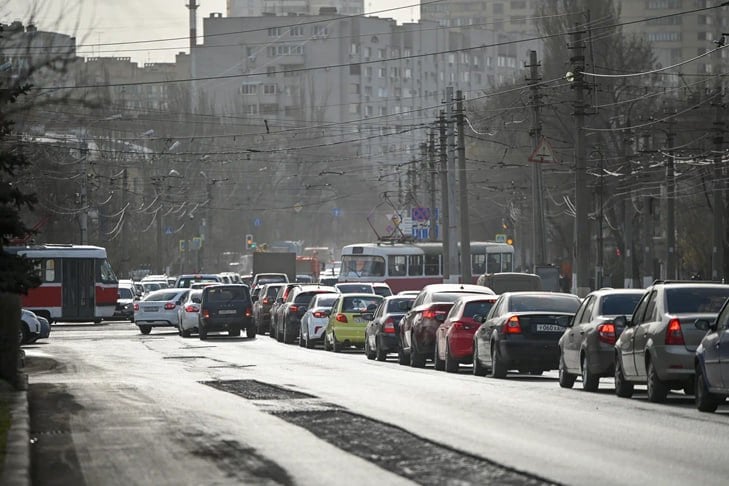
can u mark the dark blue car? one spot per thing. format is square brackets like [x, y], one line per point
[712, 362]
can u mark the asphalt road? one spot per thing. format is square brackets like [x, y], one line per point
[111, 406]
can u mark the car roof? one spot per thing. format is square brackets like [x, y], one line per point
[458, 287]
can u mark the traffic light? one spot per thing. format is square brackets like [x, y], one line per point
[510, 240]
[250, 244]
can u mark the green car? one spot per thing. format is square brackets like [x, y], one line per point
[346, 326]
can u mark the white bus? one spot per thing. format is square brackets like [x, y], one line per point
[411, 266]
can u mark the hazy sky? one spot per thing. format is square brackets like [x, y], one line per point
[98, 23]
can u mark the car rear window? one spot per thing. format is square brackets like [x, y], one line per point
[619, 304]
[361, 303]
[696, 299]
[477, 307]
[305, 297]
[225, 294]
[326, 301]
[538, 303]
[272, 291]
[272, 279]
[398, 305]
[162, 296]
[125, 293]
[352, 288]
[448, 296]
[196, 296]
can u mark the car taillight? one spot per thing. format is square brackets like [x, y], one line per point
[136, 306]
[429, 314]
[341, 317]
[606, 333]
[248, 312]
[462, 326]
[389, 326]
[318, 314]
[191, 308]
[206, 313]
[674, 335]
[170, 305]
[512, 326]
[294, 308]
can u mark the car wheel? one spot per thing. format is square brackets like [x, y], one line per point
[234, 331]
[326, 342]
[478, 368]
[402, 357]
[179, 328]
[288, 336]
[590, 382]
[439, 363]
[657, 390]
[451, 365]
[417, 360]
[145, 329]
[368, 352]
[336, 345]
[24, 333]
[623, 388]
[380, 353]
[280, 334]
[705, 400]
[309, 343]
[566, 379]
[498, 367]
[272, 330]
[202, 333]
[301, 337]
[251, 331]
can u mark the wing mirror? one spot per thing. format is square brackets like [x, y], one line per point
[479, 318]
[705, 325]
[623, 321]
[368, 316]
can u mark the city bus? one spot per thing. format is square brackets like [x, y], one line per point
[77, 282]
[411, 266]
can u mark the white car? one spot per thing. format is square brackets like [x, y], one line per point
[30, 327]
[315, 319]
[159, 308]
[189, 313]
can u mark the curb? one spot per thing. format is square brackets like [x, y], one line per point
[16, 471]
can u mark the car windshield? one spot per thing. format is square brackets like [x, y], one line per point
[619, 304]
[696, 299]
[352, 288]
[546, 303]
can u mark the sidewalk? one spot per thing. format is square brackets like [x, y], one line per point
[16, 471]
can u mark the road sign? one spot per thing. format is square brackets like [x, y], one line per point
[183, 246]
[336, 212]
[169, 230]
[196, 243]
[257, 222]
[543, 152]
[500, 238]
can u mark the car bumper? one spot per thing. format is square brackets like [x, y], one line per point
[353, 334]
[674, 363]
[388, 342]
[460, 345]
[155, 323]
[601, 360]
[530, 354]
[225, 323]
[316, 329]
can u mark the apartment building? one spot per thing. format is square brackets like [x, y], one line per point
[513, 16]
[257, 8]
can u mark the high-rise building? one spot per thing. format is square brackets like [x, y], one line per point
[257, 8]
[511, 16]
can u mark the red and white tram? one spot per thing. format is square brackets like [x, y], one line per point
[77, 282]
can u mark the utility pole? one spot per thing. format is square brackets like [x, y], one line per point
[539, 254]
[432, 233]
[452, 206]
[717, 255]
[123, 234]
[84, 215]
[580, 281]
[463, 192]
[445, 216]
[628, 214]
[670, 205]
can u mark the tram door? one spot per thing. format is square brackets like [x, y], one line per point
[78, 284]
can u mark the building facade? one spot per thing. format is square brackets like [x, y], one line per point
[257, 8]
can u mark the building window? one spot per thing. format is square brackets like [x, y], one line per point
[296, 30]
[274, 31]
[248, 89]
[250, 109]
[354, 109]
[381, 72]
[269, 89]
[354, 88]
[319, 30]
[367, 52]
[355, 69]
[381, 53]
[271, 71]
[663, 4]
[269, 108]
[368, 71]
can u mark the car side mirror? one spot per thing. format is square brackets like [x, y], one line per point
[479, 318]
[328, 312]
[705, 325]
[254, 298]
[440, 317]
[368, 316]
[622, 321]
[279, 300]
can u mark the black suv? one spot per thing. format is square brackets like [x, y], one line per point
[226, 307]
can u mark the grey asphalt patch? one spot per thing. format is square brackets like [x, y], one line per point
[256, 390]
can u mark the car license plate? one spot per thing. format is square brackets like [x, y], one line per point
[150, 309]
[227, 311]
[359, 320]
[549, 328]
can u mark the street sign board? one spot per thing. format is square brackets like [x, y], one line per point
[543, 152]
[500, 238]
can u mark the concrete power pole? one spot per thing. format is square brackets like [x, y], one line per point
[431, 168]
[717, 254]
[451, 174]
[445, 216]
[539, 254]
[463, 191]
[84, 215]
[670, 206]
[580, 282]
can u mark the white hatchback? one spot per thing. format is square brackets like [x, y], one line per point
[315, 319]
[159, 309]
[189, 313]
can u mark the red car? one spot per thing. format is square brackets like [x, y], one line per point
[454, 337]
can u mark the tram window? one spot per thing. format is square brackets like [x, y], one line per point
[478, 264]
[415, 265]
[507, 262]
[47, 270]
[432, 264]
[494, 263]
[396, 265]
[106, 273]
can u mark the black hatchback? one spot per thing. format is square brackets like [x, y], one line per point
[226, 308]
